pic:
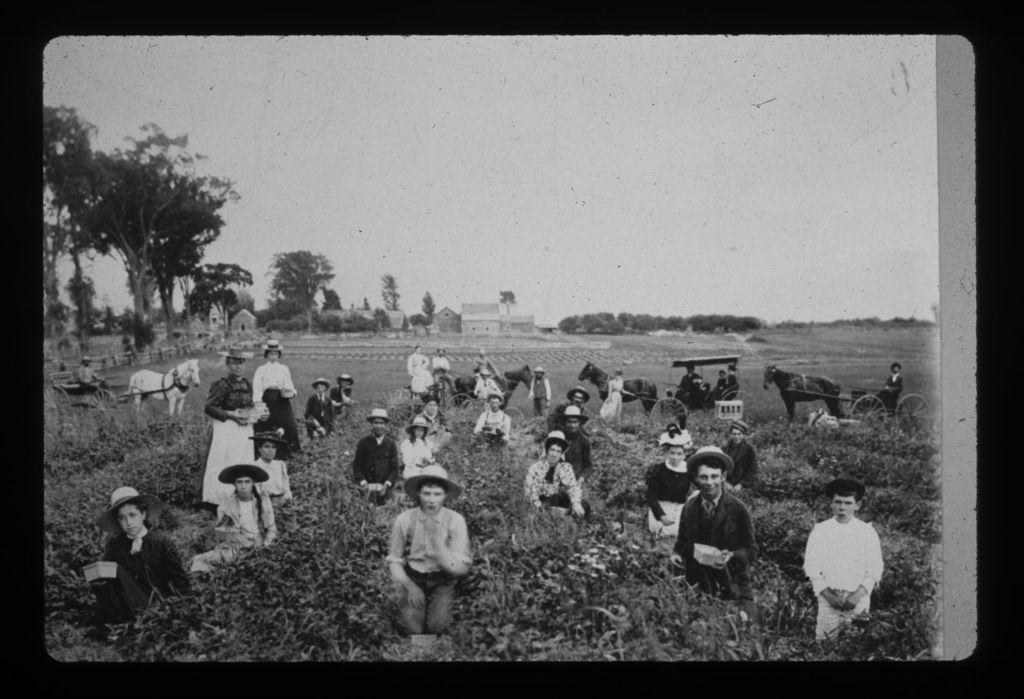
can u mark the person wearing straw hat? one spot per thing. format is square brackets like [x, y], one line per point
[494, 423]
[245, 519]
[375, 467]
[277, 486]
[716, 537]
[540, 392]
[230, 405]
[438, 434]
[668, 483]
[429, 550]
[483, 362]
[441, 368]
[578, 452]
[486, 385]
[550, 481]
[744, 458]
[843, 559]
[415, 452]
[341, 395]
[576, 396]
[87, 377]
[148, 565]
[319, 415]
[272, 384]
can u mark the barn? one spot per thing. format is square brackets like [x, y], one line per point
[481, 319]
[243, 321]
[447, 321]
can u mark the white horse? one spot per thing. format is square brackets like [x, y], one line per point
[171, 386]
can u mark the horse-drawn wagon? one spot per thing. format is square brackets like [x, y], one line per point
[679, 398]
[64, 390]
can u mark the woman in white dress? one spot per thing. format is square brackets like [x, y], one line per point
[272, 384]
[612, 407]
[416, 452]
[229, 404]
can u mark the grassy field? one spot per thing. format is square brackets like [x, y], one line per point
[536, 591]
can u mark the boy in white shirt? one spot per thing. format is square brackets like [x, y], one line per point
[843, 560]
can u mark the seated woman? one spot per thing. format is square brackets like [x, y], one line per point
[668, 484]
[277, 486]
[550, 482]
[148, 565]
[438, 433]
[415, 452]
[493, 423]
[245, 519]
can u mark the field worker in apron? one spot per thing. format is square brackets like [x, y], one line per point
[668, 484]
[229, 405]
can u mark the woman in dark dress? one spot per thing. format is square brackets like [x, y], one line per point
[148, 566]
[272, 384]
[668, 483]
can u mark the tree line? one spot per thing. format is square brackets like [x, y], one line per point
[627, 323]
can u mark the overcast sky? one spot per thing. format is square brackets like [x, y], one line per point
[778, 177]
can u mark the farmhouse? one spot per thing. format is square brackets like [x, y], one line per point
[243, 321]
[447, 321]
[493, 318]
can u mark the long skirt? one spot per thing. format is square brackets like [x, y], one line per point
[612, 407]
[673, 510]
[281, 416]
[230, 445]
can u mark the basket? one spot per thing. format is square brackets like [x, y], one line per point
[100, 570]
[729, 409]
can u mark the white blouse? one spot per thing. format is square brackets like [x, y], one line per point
[270, 375]
[414, 456]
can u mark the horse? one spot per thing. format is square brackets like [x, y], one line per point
[507, 383]
[796, 388]
[171, 386]
[641, 389]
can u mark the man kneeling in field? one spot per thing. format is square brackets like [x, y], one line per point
[429, 550]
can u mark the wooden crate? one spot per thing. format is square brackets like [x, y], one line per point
[729, 409]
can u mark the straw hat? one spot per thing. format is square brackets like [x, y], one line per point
[845, 485]
[432, 472]
[122, 496]
[573, 411]
[262, 437]
[418, 421]
[381, 413]
[713, 457]
[556, 437]
[578, 389]
[236, 352]
[273, 346]
[539, 370]
[325, 382]
[346, 377]
[232, 473]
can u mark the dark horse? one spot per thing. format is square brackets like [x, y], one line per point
[507, 383]
[800, 388]
[643, 390]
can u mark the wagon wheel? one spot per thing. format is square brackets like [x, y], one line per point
[103, 399]
[913, 410]
[869, 408]
[402, 412]
[668, 409]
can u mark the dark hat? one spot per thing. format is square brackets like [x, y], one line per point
[740, 425]
[262, 437]
[895, 365]
[844, 486]
[430, 396]
[232, 473]
[713, 457]
[325, 382]
[732, 367]
[123, 496]
[556, 437]
[578, 389]
[346, 377]
[433, 472]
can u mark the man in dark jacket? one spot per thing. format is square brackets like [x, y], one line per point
[578, 451]
[319, 415]
[890, 393]
[744, 458]
[719, 520]
[577, 397]
[375, 466]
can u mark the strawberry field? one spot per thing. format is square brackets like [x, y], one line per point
[542, 587]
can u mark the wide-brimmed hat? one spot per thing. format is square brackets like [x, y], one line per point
[484, 371]
[261, 437]
[578, 389]
[573, 411]
[539, 370]
[325, 382]
[346, 377]
[845, 485]
[432, 472]
[418, 421]
[273, 346]
[556, 437]
[381, 413]
[495, 394]
[430, 397]
[895, 365]
[712, 456]
[740, 425]
[236, 352]
[675, 439]
[232, 473]
[122, 496]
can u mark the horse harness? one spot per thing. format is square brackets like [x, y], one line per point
[174, 384]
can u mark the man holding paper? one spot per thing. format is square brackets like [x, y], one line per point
[716, 537]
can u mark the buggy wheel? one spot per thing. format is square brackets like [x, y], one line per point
[402, 412]
[668, 409]
[103, 399]
[869, 408]
[912, 410]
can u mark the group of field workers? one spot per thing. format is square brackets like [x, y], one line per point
[693, 494]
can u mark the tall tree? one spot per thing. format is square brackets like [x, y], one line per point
[67, 162]
[81, 288]
[382, 318]
[214, 287]
[507, 297]
[428, 307]
[145, 198]
[332, 302]
[389, 292]
[299, 276]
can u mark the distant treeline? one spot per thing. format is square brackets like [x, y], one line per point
[623, 323]
[627, 323]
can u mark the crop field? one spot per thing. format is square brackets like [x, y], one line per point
[541, 588]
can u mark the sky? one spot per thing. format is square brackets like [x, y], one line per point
[781, 177]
